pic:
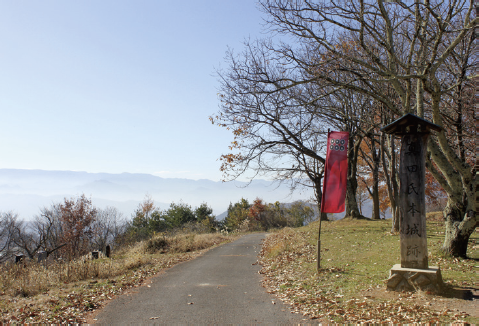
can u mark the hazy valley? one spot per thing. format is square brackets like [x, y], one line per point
[26, 191]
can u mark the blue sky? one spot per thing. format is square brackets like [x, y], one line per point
[117, 86]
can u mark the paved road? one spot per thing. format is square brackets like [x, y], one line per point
[220, 287]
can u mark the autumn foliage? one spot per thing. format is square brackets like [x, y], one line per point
[261, 216]
[77, 216]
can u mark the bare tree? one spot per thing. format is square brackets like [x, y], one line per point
[49, 229]
[280, 127]
[42, 234]
[275, 133]
[8, 221]
[108, 226]
[411, 47]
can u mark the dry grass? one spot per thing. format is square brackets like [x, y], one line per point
[57, 292]
[356, 257]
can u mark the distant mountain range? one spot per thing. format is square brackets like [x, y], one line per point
[26, 191]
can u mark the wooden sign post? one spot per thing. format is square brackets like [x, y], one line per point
[413, 273]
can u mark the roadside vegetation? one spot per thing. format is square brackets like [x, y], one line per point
[65, 292]
[356, 257]
[259, 216]
[56, 269]
[58, 279]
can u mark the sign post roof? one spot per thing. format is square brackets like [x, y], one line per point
[410, 123]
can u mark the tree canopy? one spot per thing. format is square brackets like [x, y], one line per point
[356, 65]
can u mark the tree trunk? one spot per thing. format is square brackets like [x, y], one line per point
[459, 227]
[395, 220]
[389, 168]
[376, 212]
[459, 213]
[352, 209]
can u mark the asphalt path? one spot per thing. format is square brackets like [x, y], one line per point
[222, 286]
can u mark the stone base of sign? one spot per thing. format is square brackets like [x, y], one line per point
[412, 279]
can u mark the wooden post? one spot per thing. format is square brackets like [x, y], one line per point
[318, 263]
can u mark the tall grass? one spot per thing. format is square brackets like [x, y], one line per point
[30, 278]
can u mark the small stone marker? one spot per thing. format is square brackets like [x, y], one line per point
[108, 251]
[19, 258]
[41, 256]
[414, 272]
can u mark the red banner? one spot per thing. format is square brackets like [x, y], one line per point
[335, 173]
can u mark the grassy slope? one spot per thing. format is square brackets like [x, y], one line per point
[356, 257]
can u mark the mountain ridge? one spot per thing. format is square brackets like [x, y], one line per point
[22, 190]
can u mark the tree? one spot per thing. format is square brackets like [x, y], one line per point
[373, 163]
[279, 127]
[178, 214]
[148, 219]
[384, 203]
[43, 234]
[145, 220]
[277, 216]
[275, 134]
[261, 216]
[147, 207]
[8, 220]
[237, 213]
[391, 175]
[203, 212]
[362, 194]
[28, 241]
[77, 218]
[421, 51]
[108, 226]
[257, 216]
[157, 222]
[299, 213]
[204, 216]
[48, 226]
[349, 111]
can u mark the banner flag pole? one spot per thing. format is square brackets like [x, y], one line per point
[335, 178]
